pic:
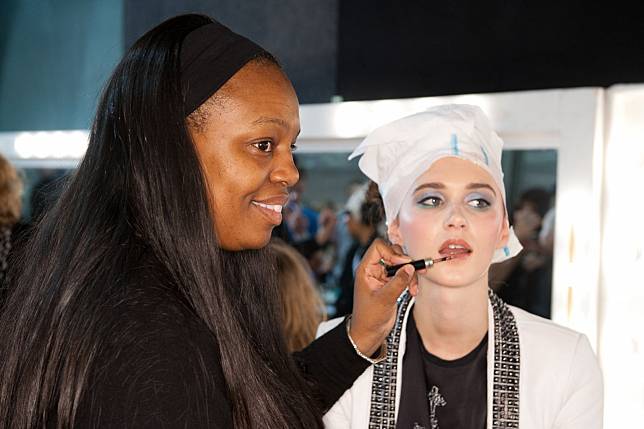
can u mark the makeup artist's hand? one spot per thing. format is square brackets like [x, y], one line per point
[375, 295]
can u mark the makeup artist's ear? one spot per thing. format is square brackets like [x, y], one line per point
[393, 232]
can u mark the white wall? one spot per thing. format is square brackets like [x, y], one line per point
[621, 309]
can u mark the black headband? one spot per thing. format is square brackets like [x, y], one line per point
[210, 55]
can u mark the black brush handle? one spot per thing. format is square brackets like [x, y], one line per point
[418, 264]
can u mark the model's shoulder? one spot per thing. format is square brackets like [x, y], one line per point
[560, 361]
[539, 329]
[525, 318]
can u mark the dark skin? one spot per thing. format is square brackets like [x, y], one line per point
[245, 143]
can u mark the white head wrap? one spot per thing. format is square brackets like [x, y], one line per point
[395, 154]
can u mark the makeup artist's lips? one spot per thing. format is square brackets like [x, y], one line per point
[456, 249]
[271, 208]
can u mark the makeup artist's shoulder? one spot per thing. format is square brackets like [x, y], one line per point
[325, 327]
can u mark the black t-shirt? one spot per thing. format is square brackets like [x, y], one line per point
[442, 394]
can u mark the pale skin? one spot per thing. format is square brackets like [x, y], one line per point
[245, 146]
[453, 202]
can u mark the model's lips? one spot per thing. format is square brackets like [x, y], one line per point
[455, 248]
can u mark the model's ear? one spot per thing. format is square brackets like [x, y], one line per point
[504, 234]
[393, 231]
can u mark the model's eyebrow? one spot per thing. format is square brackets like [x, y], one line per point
[433, 185]
[481, 185]
[438, 185]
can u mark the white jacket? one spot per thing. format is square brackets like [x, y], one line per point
[560, 380]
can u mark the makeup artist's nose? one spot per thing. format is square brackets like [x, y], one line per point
[284, 170]
[455, 218]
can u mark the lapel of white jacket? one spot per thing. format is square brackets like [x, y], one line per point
[506, 368]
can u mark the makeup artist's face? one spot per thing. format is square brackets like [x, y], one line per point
[455, 209]
[246, 152]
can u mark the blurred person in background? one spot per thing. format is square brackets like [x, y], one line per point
[302, 306]
[301, 220]
[12, 230]
[342, 238]
[525, 281]
[362, 228]
[309, 231]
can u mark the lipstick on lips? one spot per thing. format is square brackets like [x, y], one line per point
[455, 248]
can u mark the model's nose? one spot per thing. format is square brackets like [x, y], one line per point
[455, 218]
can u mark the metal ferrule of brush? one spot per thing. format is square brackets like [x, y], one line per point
[419, 264]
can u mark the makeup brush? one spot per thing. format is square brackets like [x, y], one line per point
[419, 264]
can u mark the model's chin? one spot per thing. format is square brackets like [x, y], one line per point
[452, 279]
[454, 283]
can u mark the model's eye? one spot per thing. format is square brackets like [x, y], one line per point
[294, 147]
[264, 145]
[479, 203]
[430, 201]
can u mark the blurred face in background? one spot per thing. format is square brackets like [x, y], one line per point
[353, 225]
[527, 221]
[453, 209]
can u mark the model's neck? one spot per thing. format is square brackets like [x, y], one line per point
[451, 321]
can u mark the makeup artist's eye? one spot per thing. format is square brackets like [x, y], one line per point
[430, 201]
[264, 145]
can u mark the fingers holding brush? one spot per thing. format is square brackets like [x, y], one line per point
[381, 254]
[413, 285]
[375, 295]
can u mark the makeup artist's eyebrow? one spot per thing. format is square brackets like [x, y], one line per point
[268, 120]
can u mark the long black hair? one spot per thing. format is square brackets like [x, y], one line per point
[140, 188]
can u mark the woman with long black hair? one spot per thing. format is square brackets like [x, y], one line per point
[146, 297]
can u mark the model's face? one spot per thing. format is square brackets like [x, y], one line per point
[453, 209]
[245, 149]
